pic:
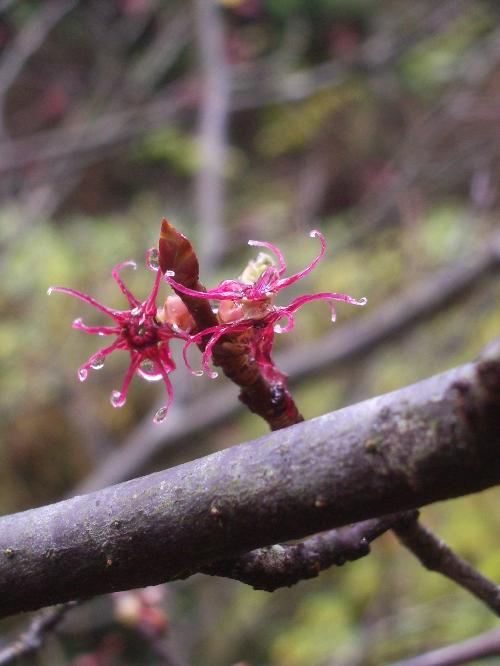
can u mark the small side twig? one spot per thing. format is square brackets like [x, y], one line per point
[435, 555]
[480, 647]
[32, 640]
[284, 565]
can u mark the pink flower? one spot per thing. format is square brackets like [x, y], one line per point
[143, 330]
[247, 304]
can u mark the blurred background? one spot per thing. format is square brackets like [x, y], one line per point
[376, 122]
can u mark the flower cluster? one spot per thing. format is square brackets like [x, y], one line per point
[248, 304]
[245, 305]
[144, 331]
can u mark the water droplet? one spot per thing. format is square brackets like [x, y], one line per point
[153, 259]
[82, 374]
[278, 329]
[160, 415]
[136, 311]
[170, 273]
[362, 301]
[213, 374]
[97, 363]
[116, 399]
[147, 365]
[50, 290]
[197, 373]
[147, 371]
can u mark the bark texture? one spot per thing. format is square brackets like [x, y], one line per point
[431, 441]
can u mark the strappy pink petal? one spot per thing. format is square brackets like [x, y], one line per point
[150, 303]
[118, 398]
[96, 330]
[327, 296]
[165, 357]
[265, 284]
[285, 282]
[123, 288]
[162, 412]
[290, 321]
[222, 330]
[276, 250]
[86, 299]
[101, 354]
[212, 294]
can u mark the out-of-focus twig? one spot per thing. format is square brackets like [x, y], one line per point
[27, 41]
[33, 638]
[435, 555]
[480, 647]
[212, 132]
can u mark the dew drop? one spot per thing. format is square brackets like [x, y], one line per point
[97, 363]
[278, 329]
[160, 415]
[147, 371]
[362, 301]
[50, 290]
[136, 311]
[170, 273]
[197, 373]
[116, 399]
[82, 374]
[147, 365]
[153, 259]
[213, 374]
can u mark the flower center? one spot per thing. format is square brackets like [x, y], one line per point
[141, 331]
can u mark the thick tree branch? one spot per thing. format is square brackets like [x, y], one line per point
[435, 555]
[430, 441]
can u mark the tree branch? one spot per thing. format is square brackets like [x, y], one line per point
[435, 555]
[430, 441]
[285, 565]
[344, 344]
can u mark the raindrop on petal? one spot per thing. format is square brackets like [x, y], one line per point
[160, 415]
[147, 365]
[50, 290]
[213, 374]
[147, 371]
[153, 259]
[362, 301]
[97, 363]
[82, 374]
[116, 398]
[136, 311]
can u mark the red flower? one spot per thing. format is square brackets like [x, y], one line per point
[144, 331]
[247, 304]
